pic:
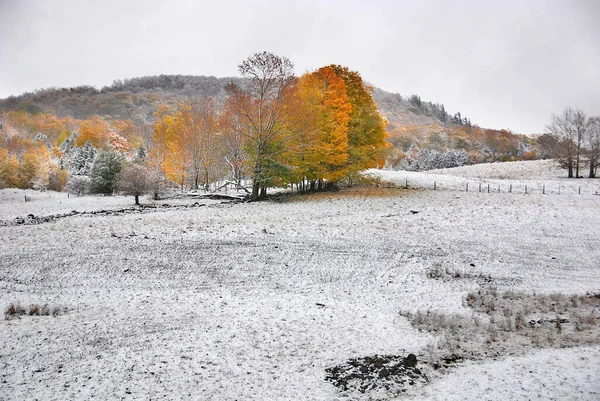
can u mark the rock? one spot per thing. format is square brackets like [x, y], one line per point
[384, 373]
[364, 369]
[410, 361]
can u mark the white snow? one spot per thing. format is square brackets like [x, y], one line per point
[220, 302]
[538, 176]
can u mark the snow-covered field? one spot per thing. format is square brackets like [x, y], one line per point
[253, 301]
[538, 176]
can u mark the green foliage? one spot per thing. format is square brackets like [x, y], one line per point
[105, 172]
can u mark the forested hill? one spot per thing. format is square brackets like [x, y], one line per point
[138, 99]
[415, 129]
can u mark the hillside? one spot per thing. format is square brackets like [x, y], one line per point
[135, 98]
[138, 99]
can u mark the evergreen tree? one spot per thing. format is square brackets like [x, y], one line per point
[105, 171]
[82, 160]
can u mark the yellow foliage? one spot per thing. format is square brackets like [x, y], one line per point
[94, 130]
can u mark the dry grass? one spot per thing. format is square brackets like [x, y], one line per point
[437, 272]
[506, 323]
[15, 311]
[352, 192]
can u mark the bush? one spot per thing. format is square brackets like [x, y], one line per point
[15, 311]
[79, 185]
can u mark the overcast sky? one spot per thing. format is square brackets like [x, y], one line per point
[504, 64]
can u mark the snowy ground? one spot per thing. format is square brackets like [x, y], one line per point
[539, 176]
[220, 302]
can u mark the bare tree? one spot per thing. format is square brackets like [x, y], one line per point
[579, 127]
[592, 139]
[197, 130]
[561, 128]
[135, 180]
[231, 141]
[261, 108]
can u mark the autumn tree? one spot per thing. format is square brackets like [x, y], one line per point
[197, 125]
[548, 145]
[95, 130]
[57, 177]
[325, 154]
[185, 141]
[262, 108]
[366, 128]
[9, 172]
[161, 137]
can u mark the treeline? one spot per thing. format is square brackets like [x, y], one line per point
[440, 146]
[309, 132]
[437, 110]
[274, 129]
[41, 151]
[136, 98]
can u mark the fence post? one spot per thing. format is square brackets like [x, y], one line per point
[510, 188]
[580, 190]
[559, 189]
[498, 188]
[544, 190]
[434, 185]
[479, 187]
[488, 188]
[525, 188]
[406, 184]
[467, 190]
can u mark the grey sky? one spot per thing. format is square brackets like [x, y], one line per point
[507, 64]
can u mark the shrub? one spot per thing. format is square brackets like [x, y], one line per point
[79, 185]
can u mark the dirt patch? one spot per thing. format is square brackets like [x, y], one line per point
[392, 373]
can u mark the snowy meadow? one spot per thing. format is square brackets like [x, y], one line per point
[219, 300]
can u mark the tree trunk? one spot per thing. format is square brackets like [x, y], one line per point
[137, 200]
[263, 192]
[255, 189]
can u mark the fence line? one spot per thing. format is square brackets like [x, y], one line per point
[515, 188]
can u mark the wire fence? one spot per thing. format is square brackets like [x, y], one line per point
[589, 187]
